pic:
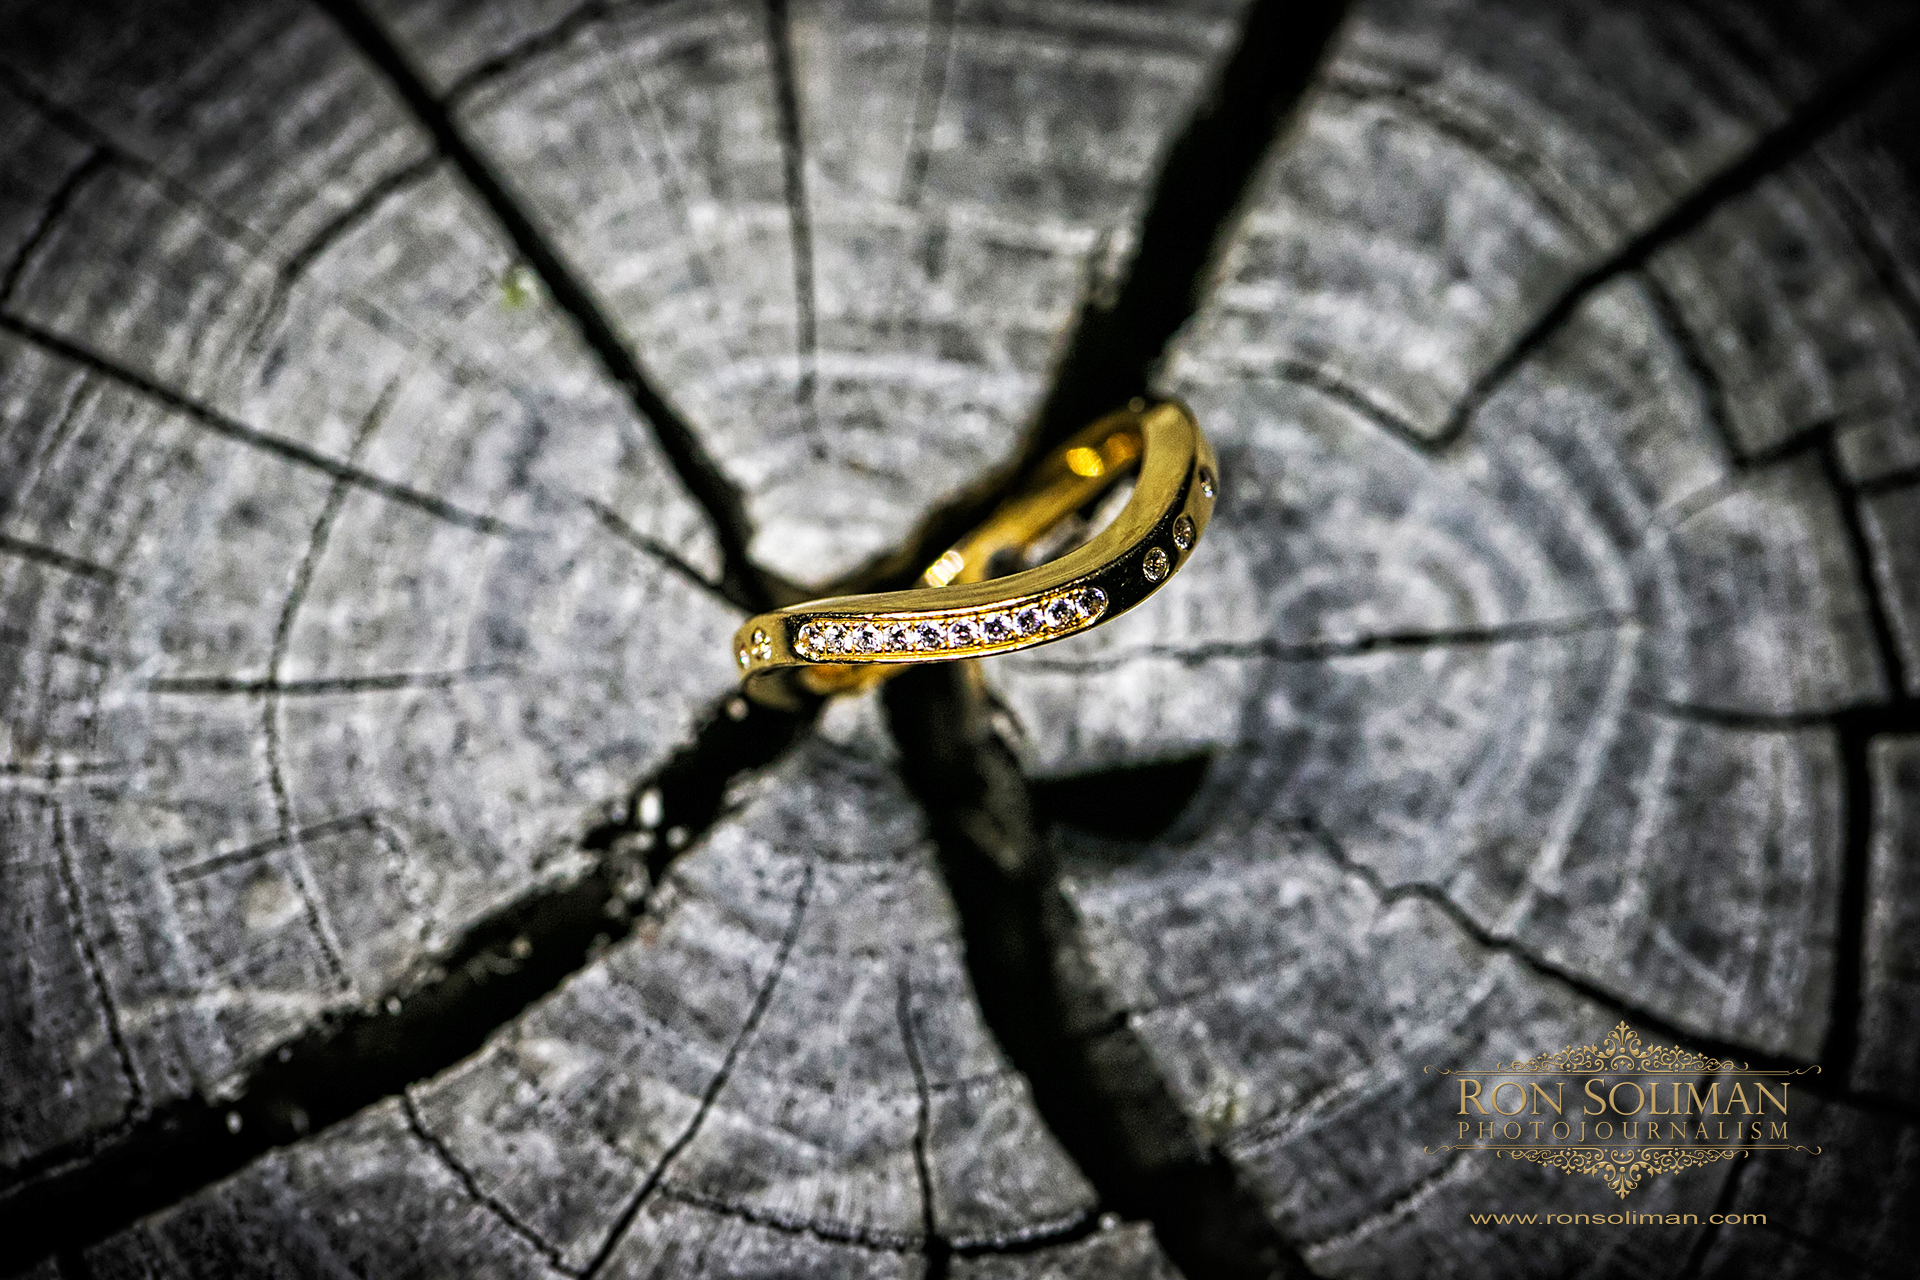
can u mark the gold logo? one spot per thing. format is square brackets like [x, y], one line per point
[1615, 1126]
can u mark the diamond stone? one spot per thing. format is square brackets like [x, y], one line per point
[962, 632]
[1206, 483]
[866, 638]
[1029, 620]
[894, 637]
[998, 628]
[928, 636]
[1062, 611]
[1183, 532]
[742, 656]
[1092, 601]
[1156, 565]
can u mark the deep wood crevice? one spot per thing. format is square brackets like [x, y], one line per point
[993, 849]
[699, 474]
[1203, 181]
[441, 1012]
[998, 867]
[1812, 121]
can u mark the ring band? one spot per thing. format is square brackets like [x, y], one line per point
[845, 643]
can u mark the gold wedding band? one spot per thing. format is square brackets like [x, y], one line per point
[845, 643]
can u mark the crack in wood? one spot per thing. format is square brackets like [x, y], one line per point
[755, 1012]
[78, 127]
[1892, 482]
[1195, 201]
[1866, 719]
[1892, 666]
[1371, 1221]
[934, 1247]
[1451, 121]
[250, 243]
[813, 1228]
[320, 686]
[1196, 197]
[95, 161]
[1270, 649]
[1723, 1202]
[1854, 729]
[301, 869]
[615, 524]
[53, 558]
[1001, 876]
[60, 770]
[1792, 447]
[492, 1204]
[247, 241]
[356, 214]
[799, 216]
[1615, 1005]
[1841, 1045]
[547, 39]
[1831, 107]
[21, 638]
[1341, 392]
[1072, 1232]
[137, 1103]
[75, 1196]
[1894, 283]
[367, 821]
[212, 420]
[699, 474]
[1713, 393]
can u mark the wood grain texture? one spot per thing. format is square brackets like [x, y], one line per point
[784, 1057]
[847, 246]
[1536, 612]
[1891, 959]
[317, 649]
[1552, 659]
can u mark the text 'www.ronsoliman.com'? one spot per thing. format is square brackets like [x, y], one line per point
[1615, 1219]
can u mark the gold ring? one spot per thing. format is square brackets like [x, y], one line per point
[846, 643]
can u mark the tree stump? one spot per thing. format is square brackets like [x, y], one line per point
[401, 405]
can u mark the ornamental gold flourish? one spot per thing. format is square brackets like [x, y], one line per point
[1622, 1052]
[1622, 1168]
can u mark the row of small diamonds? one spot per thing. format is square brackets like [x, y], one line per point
[826, 641]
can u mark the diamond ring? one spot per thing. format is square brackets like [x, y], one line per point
[962, 609]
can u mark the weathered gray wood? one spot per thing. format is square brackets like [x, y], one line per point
[1891, 522]
[1526, 637]
[1208, 945]
[785, 1057]
[865, 335]
[1889, 1061]
[1548, 641]
[316, 649]
[1827, 1217]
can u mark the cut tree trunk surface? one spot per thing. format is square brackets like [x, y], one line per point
[400, 404]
